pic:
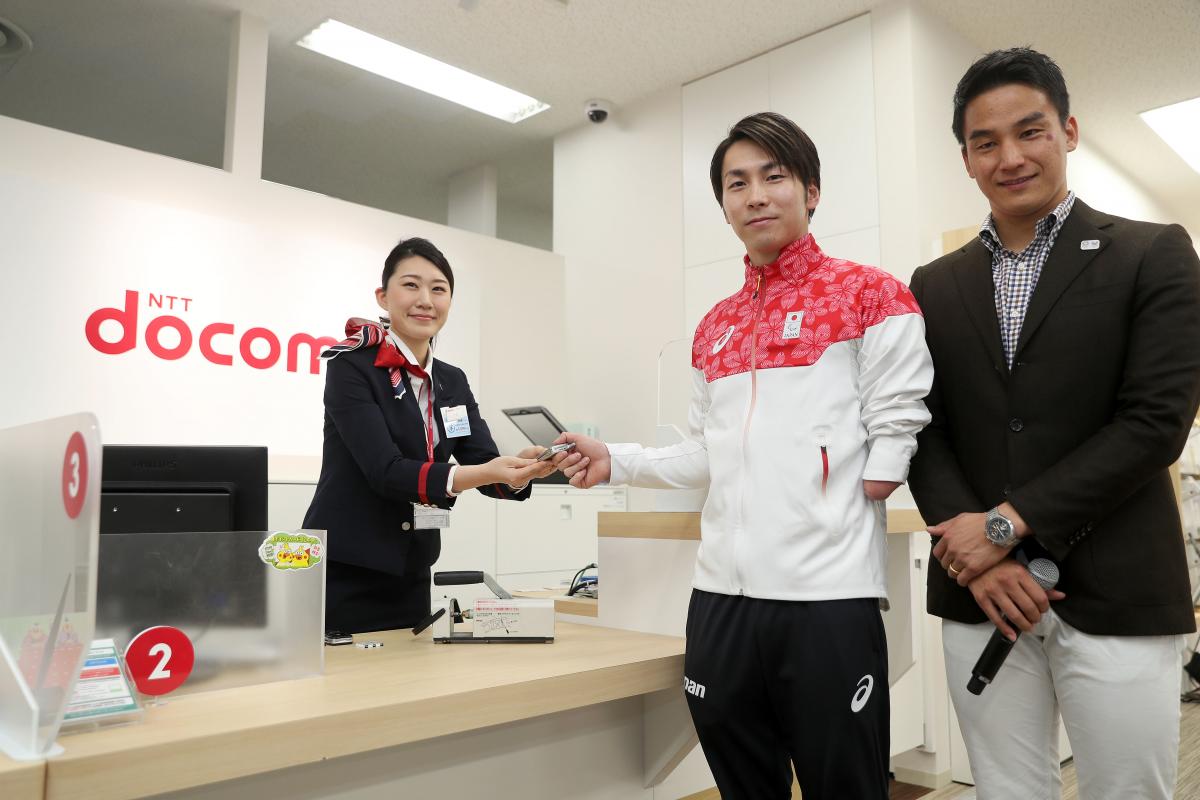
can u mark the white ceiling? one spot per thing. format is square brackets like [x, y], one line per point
[152, 74]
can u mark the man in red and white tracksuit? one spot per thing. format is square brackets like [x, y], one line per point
[807, 398]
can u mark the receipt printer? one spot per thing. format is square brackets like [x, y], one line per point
[502, 618]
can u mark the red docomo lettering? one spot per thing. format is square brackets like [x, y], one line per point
[211, 341]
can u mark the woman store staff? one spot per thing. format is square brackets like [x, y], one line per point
[394, 415]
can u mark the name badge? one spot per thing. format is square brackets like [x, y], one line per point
[1089, 244]
[430, 517]
[791, 324]
[455, 420]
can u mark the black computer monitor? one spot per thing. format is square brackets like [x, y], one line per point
[167, 489]
[157, 492]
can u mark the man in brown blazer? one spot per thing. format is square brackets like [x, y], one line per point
[1066, 349]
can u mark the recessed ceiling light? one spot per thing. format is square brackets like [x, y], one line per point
[388, 59]
[1179, 127]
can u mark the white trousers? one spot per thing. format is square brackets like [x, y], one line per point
[1118, 696]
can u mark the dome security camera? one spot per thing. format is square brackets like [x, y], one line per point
[597, 111]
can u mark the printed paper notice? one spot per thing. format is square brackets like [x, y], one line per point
[496, 618]
[101, 689]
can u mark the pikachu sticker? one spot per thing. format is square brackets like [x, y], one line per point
[291, 551]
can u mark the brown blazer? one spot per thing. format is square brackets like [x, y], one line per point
[1079, 435]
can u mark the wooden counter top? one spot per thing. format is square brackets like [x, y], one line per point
[21, 780]
[408, 690]
[686, 524]
[579, 606]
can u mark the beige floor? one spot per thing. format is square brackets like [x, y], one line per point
[1187, 787]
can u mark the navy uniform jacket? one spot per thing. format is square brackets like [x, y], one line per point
[1079, 434]
[374, 459]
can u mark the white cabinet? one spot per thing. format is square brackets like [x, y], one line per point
[552, 531]
[287, 503]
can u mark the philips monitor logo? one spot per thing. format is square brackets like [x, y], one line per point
[156, 464]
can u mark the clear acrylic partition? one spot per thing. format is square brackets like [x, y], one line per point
[250, 620]
[49, 518]
[674, 399]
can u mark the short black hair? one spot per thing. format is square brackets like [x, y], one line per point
[416, 247]
[781, 139]
[1015, 65]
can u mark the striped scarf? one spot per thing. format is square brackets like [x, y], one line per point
[365, 333]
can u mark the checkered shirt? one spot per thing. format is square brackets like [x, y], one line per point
[1016, 275]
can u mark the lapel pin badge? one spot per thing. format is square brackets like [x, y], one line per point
[1089, 244]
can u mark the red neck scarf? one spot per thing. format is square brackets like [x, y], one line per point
[365, 333]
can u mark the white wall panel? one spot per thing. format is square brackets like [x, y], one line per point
[1104, 186]
[617, 222]
[85, 221]
[861, 246]
[825, 84]
[710, 107]
[707, 284]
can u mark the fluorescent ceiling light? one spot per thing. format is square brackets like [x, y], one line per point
[1179, 126]
[366, 51]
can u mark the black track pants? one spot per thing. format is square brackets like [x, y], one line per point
[770, 682]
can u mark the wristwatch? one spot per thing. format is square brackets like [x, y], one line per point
[999, 529]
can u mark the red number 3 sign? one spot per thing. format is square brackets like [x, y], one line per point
[74, 475]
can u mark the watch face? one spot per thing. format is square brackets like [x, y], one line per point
[999, 530]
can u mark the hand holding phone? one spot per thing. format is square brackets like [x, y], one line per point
[554, 450]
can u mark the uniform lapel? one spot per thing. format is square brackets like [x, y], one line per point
[973, 273]
[1067, 259]
[409, 409]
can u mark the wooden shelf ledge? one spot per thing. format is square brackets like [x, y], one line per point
[686, 524]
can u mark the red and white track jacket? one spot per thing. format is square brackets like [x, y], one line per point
[807, 381]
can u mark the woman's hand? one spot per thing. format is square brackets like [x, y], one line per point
[545, 467]
[511, 470]
[516, 471]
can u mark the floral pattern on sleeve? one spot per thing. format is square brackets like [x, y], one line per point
[839, 301]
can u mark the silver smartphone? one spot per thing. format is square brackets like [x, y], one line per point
[555, 449]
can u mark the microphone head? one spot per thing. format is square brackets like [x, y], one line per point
[1045, 572]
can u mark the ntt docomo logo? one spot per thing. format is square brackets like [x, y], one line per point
[216, 340]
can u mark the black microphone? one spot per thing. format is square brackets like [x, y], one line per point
[1045, 572]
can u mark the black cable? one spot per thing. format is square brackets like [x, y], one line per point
[574, 587]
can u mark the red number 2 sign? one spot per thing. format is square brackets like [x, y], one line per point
[160, 659]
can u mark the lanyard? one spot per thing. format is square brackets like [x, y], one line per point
[428, 418]
[427, 384]
[423, 475]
